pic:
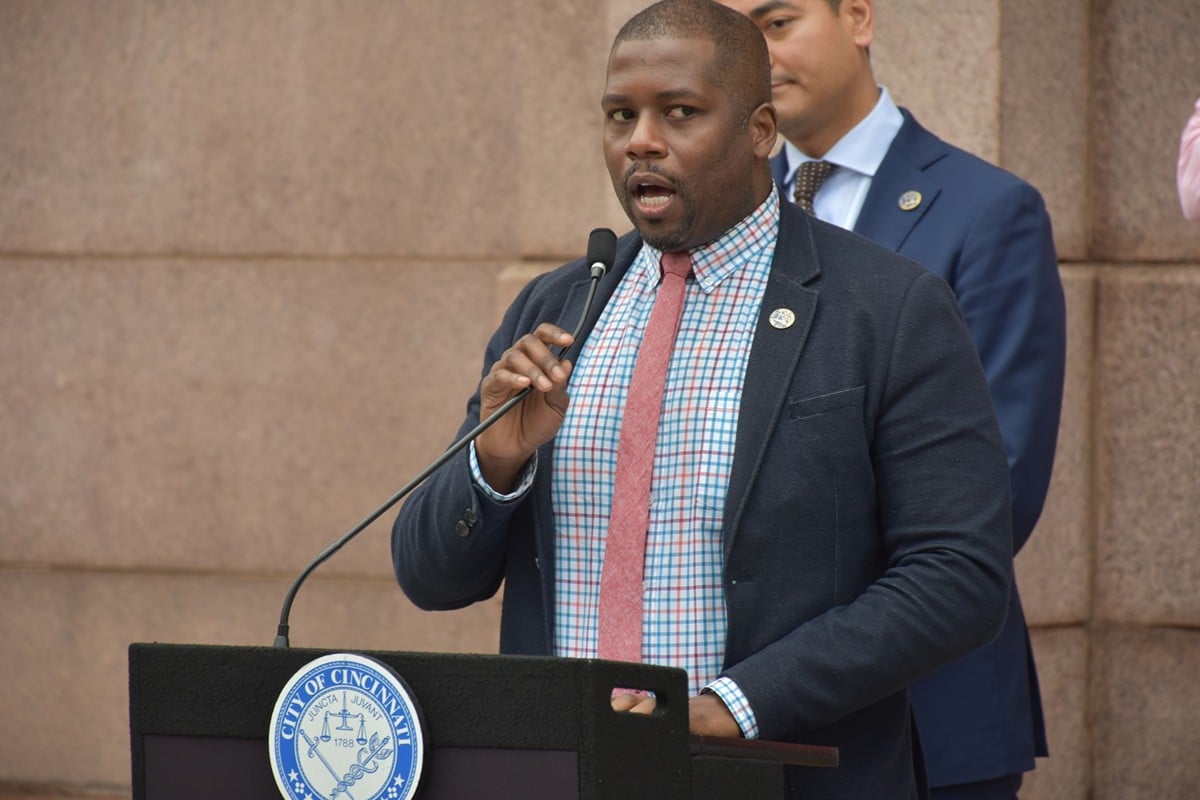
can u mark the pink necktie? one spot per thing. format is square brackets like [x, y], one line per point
[620, 635]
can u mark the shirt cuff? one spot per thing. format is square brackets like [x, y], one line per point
[731, 695]
[525, 480]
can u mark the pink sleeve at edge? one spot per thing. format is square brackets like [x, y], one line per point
[1187, 176]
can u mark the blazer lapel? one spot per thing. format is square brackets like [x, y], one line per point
[901, 192]
[774, 356]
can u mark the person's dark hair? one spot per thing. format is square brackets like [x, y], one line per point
[741, 65]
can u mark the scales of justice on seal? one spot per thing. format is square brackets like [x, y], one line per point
[258, 723]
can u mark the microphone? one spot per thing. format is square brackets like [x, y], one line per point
[601, 252]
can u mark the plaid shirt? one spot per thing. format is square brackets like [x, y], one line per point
[684, 605]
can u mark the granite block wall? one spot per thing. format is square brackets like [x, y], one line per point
[249, 254]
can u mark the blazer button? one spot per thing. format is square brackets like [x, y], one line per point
[469, 516]
[463, 528]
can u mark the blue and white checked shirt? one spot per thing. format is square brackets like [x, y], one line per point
[684, 623]
[684, 606]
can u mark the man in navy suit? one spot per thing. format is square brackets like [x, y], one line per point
[830, 512]
[987, 233]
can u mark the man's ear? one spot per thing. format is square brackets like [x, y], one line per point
[763, 129]
[860, 14]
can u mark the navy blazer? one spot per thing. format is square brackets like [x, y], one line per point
[987, 233]
[867, 533]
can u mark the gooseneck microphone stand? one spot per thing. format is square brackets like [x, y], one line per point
[602, 245]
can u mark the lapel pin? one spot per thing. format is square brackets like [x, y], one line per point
[910, 200]
[782, 318]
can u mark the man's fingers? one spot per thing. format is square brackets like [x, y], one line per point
[531, 358]
[510, 377]
[553, 335]
[646, 706]
[633, 703]
[624, 702]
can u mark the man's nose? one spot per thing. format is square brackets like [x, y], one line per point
[646, 140]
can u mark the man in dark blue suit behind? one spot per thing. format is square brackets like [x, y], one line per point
[827, 515]
[876, 171]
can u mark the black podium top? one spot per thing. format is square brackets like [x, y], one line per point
[497, 726]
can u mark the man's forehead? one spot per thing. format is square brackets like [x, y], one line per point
[665, 52]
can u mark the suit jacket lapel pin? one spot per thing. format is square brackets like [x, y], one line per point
[782, 318]
[910, 200]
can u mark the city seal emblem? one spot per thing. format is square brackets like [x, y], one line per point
[346, 727]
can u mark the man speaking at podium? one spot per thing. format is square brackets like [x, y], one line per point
[773, 461]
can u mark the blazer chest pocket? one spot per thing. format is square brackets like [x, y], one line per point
[825, 404]
[825, 453]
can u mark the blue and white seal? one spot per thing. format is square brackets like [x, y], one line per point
[346, 727]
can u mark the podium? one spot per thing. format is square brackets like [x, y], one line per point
[497, 727]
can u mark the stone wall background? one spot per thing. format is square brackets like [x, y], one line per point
[250, 252]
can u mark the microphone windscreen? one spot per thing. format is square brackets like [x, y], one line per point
[601, 249]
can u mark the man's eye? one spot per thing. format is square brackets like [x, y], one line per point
[681, 112]
[620, 115]
[777, 23]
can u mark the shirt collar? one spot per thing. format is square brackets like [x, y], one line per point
[863, 148]
[720, 258]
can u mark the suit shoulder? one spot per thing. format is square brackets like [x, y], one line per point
[572, 272]
[878, 281]
[959, 171]
[846, 255]
[553, 282]
[964, 172]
